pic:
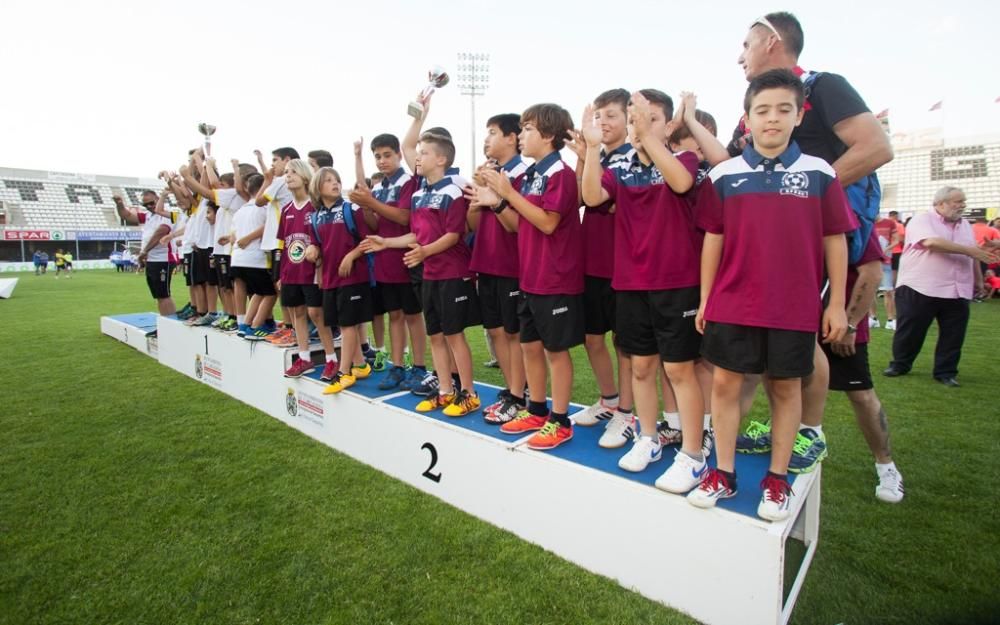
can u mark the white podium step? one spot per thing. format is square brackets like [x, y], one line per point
[591, 512]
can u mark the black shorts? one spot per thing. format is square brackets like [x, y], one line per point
[498, 298]
[274, 264]
[158, 279]
[417, 281]
[851, 373]
[257, 280]
[293, 295]
[894, 263]
[450, 306]
[393, 297]
[348, 305]
[598, 305]
[747, 349]
[201, 267]
[186, 268]
[555, 320]
[659, 322]
[223, 271]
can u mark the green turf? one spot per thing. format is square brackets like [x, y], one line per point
[130, 493]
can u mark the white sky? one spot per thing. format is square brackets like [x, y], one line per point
[117, 88]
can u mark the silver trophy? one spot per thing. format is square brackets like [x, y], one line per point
[437, 77]
[207, 130]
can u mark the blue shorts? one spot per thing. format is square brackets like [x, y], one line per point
[886, 284]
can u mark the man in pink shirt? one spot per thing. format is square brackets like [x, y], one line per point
[938, 276]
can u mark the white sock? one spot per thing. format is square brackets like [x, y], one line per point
[305, 356]
[673, 420]
[380, 348]
[610, 403]
[655, 438]
[241, 319]
[882, 468]
[708, 421]
[815, 428]
[331, 357]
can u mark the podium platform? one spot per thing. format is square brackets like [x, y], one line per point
[737, 568]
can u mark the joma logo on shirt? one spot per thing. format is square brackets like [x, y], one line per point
[461, 298]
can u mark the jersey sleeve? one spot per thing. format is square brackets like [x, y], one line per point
[709, 214]
[561, 193]
[690, 162]
[455, 216]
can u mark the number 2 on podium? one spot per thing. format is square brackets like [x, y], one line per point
[434, 477]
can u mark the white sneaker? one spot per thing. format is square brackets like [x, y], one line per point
[873, 322]
[890, 325]
[594, 414]
[775, 499]
[618, 431]
[683, 475]
[712, 488]
[890, 486]
[644, 450]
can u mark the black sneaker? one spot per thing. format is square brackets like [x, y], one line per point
[427, 387]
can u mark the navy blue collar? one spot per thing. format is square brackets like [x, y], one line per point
[786, 158]
[437, 186]
[622, 149]
[393, 177]
[452, 171]
[543, 165]
[512, 163]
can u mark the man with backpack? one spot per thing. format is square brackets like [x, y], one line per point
[838, 127]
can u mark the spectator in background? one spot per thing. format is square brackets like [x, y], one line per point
[320, 158]
[890, 236]
[897, 251]
[983, 232]
[938, 276]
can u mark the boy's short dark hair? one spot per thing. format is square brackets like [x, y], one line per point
[658, 98]
[376, 177]
[896, 213]
[613, 96]
[443, 144]
[775, 79]
[247, 170]
[439, 130]
[212, 205]
[228, 178]
[385, 141]
[285, 153]
[790, 30]
[508, 123]
[551, 120]
[254, 183]
[322, 158]
[682, 131]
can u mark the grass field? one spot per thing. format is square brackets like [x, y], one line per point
[132, 494]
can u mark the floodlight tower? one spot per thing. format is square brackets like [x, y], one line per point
[473, 79]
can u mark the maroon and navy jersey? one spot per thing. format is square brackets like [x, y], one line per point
[599, 224]
[394, 190]
[438, 209]
[551, 264]
[773, 214]
[495, 251]
[295, 234]
[336, 241]
[656, 242]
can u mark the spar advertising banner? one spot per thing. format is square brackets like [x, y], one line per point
[24, 234]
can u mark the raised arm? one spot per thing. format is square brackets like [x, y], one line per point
[412, 137]
[711, 147]
[127, 215]
[593, 194]
[677, 177]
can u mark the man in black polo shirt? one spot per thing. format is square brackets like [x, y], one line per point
[838, 127]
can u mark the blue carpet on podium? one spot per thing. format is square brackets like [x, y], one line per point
[583, 449]
[143, 321]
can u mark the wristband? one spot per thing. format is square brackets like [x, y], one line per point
[499, 208]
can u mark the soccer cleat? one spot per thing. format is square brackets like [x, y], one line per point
[707, 442]
[464, 403]
[775, 499]
[644, 451]
[230, 326]
[890, 485]
[873, 323]
[506, 413]
[618, 431]
[283, 338]
[435, 401]
[361, 371]
[756, 440]
[381, 360]
[256, 334]
[668, 435]
[392, 379]
[713, 487]
[501, 396]
[413, 377]
[187, 312]
[890, 325]
[280, 334]
[808, 451]
[330, 371]
[524, 422]
[550, 436]
[683, 475]
[428, 386]
[594, 414]
[204, 321]
[340, 382]
[243, 329]
[219, 321]
[299, 368]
